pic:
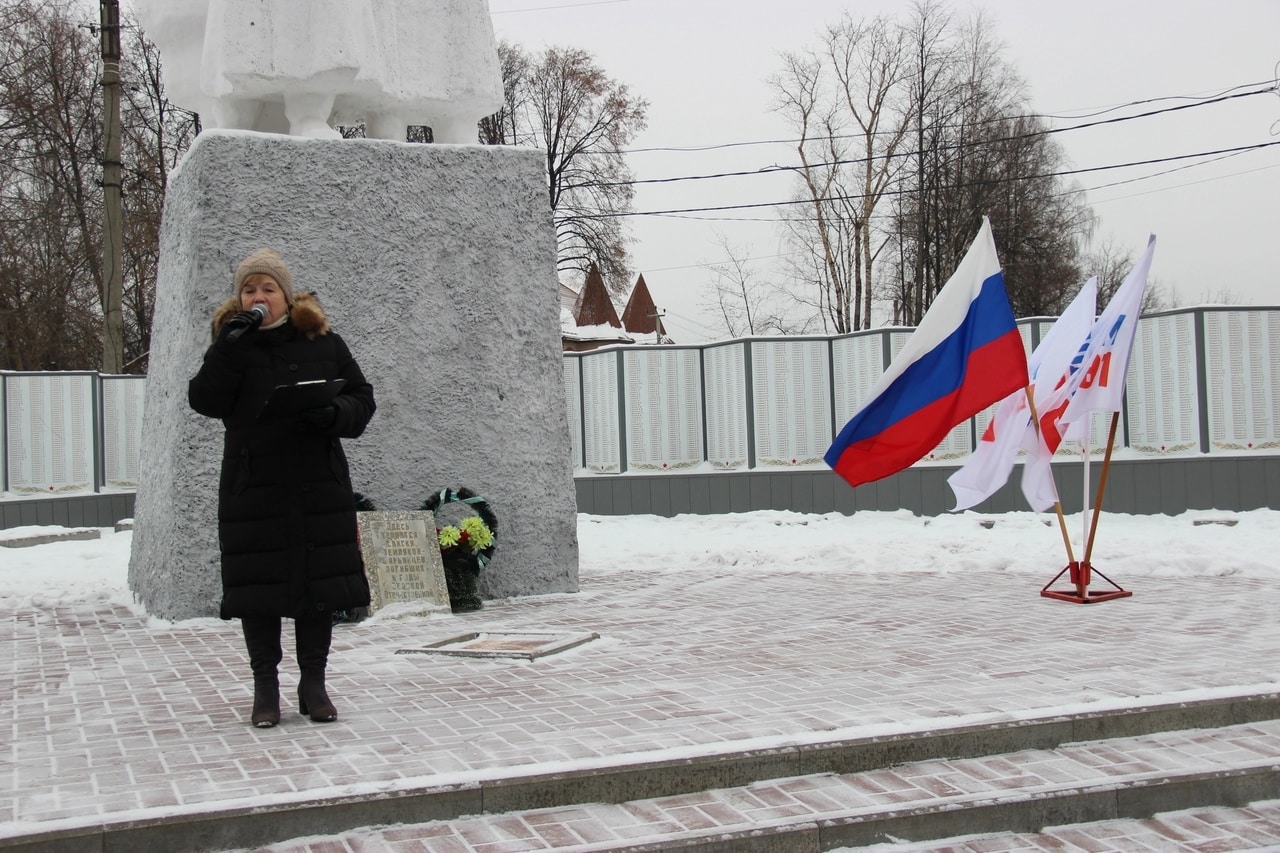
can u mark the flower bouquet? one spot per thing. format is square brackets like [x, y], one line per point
[466, 547]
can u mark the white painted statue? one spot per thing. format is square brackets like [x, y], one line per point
[302, 66]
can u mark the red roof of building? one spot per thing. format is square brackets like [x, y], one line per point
[640, 317]
[594, 307]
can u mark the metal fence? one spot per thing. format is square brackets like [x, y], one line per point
[69, 433]
[1201, 381]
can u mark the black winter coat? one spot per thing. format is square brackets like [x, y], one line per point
[286, 510]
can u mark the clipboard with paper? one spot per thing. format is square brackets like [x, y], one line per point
[287, 400]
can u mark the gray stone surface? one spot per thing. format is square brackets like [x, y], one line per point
[402, 558]
[437, 265]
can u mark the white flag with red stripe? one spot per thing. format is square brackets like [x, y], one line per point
[1096, 385]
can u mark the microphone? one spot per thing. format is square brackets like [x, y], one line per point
[241, 323]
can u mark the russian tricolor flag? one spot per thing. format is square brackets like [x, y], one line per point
[965, 355]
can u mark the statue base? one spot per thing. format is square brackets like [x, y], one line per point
[436, 264]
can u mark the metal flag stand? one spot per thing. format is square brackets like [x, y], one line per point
[1081, 571]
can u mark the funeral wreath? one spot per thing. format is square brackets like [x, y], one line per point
[465, 547]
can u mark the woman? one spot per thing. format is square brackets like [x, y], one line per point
[286, 510]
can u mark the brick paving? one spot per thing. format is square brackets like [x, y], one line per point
[116, 717]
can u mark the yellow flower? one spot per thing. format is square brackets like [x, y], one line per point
[448, 536]
[479, 536]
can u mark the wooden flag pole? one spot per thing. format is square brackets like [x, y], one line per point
[1057, 505]
[1083, 571]
[1062, 526]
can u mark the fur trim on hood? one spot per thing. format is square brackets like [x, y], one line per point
[306, 315]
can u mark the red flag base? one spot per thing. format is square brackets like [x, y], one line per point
[1081, 572]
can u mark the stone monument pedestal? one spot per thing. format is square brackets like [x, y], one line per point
[436, 263]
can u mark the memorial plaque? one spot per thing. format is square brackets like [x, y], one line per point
[402, 558]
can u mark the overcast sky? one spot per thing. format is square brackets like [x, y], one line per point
[703, 66]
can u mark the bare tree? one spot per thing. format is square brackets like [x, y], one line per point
[50, 198]
[980, 154]
[51, 138]
[845, 99]
[746, 304]
[1111, 263]
[1222, 295]
[933, 97]
[156, 135]
[502, 128]
[563, 103]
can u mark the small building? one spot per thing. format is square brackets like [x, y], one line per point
[588, 319]
[641, 317]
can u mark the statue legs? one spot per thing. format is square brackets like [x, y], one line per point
[454, 129]
[236, 113]
[387, 125]
[308, 114]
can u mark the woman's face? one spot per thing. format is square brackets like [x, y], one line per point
[261, 288]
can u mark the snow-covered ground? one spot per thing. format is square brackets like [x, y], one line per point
[1195, 544]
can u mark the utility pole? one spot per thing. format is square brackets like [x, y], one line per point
[112, 218]
[657, 323]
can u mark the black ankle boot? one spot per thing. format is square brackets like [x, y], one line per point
[314, 634]
[313, 701]
[262, 640]
[266, 703]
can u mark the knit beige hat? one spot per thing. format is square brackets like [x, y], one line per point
[269, 263]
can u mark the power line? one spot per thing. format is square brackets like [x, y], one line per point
[1180, 186]
[1225, 94]
[1161, 173]
[854, 161]
[1072, 191]
[1140, 102]
[703, 264]
[852, 197]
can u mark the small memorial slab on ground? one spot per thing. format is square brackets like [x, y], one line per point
[402, 558]
[496, 644]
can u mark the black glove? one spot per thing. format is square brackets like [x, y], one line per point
[238, 325]
[321, 417]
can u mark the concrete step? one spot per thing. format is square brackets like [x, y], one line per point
[1022, 792]
[810, 796]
